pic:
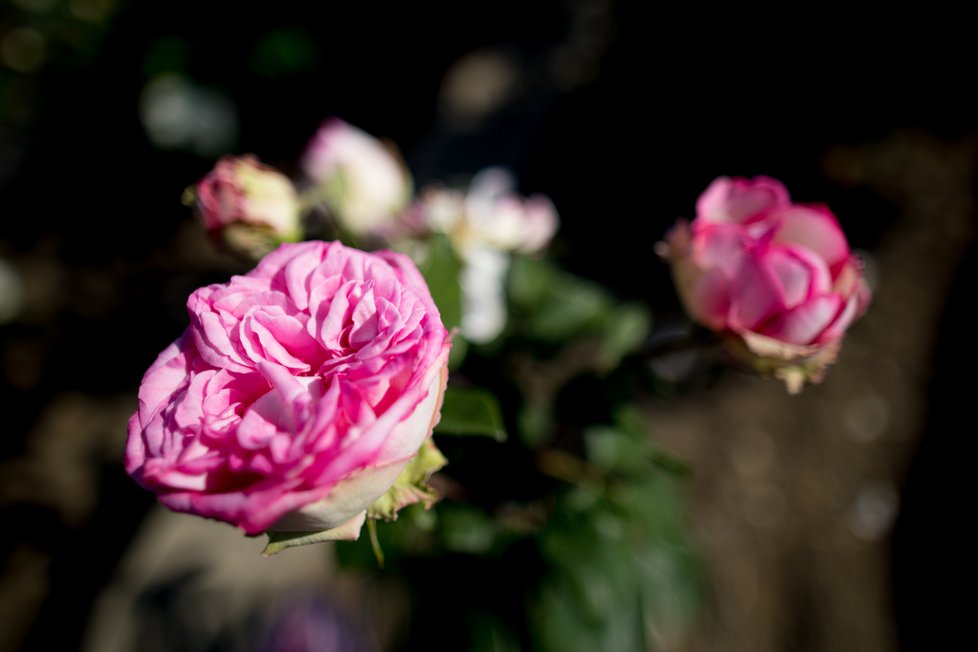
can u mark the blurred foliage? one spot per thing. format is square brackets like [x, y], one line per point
[570, 535]
[561, 521]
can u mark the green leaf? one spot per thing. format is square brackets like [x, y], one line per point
[282, 52]
[440, 269]
[471, 411]
[625, 329]
[536, 423]
[489, 634]
[553, 304]
[467, 529]
[460, 347]
[530, 281]
[613, 450]
[573, 305]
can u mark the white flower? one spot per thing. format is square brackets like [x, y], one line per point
[363, 181]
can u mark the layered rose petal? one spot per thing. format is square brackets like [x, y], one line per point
[740, 200]
[804, 323]
[308, 381]
[816, 229]
[776, 278]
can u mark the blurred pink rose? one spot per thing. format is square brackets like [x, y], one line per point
[777, 278]
[242, 192]
[362, 179]
[297, 394]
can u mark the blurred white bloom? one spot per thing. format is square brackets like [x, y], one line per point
[490, 214]
[483, 283]
[485, 225]
[178, 114]
[363, 181]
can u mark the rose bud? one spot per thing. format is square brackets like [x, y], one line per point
[775, 278]
[298, 393]
[362, 180]
[247, 206]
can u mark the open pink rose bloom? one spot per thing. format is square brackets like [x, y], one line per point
[297, 394]
[776, 278]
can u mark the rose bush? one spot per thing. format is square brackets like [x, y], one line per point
[297, 394]
[776, 278]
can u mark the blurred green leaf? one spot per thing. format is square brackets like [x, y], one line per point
[471, 411]
[555, 305]
[590, 601]
[623, 575]
[466, 529]
[573, 306]
[460, 346]
[441, 269]
[536, 422]
[491, 635]
[625, 330]
[282, 52]
[166, 54]
[613, 450]
[529, 281]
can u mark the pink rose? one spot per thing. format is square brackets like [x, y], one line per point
[776, 278]
[297, 394]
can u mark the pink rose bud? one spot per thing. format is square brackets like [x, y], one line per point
[248, 205]
[777, 279]
[297, 394]
[362, 180]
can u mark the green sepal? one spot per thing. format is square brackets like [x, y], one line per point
[279, 541]
[411, 485]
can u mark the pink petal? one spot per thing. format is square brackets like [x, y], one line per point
[364, 320]
[709, 300]
[855, 306]
[284, 340]
[738, 199]
[164, 378]
[800, 273]
[719, 246]
[331, 329]
[815, 228]
[805, 323]
[756, 294]
[267, 417]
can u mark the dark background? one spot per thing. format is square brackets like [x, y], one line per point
[656, 104]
